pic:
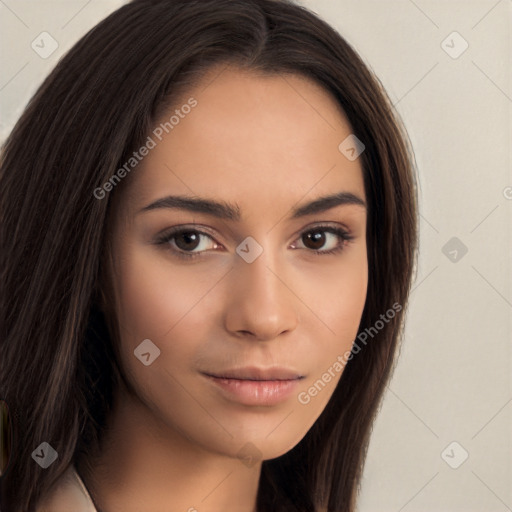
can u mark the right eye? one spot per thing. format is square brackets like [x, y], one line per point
[184, 242]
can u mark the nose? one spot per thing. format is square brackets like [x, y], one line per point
[261, 305]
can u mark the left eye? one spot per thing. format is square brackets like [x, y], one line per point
[317, 237]
[188, 243]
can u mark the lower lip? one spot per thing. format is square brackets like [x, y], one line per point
[256, 392]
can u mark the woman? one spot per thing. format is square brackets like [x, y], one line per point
[202, 207]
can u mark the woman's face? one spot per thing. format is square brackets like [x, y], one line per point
[251, 297]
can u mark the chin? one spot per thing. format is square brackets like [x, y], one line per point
[259, 440]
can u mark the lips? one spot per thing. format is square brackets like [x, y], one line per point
[257, 374]
[253, 386]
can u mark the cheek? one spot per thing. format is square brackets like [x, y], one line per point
[154, 299]
[336, 295]
[337, 302]
[159, 303]
[345, 297]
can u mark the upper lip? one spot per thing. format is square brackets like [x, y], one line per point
[255, 373]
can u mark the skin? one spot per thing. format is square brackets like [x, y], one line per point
[266, 144]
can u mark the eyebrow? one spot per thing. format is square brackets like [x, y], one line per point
[228, 211]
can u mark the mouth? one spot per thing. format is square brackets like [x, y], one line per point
[256, 374]
[256, 386]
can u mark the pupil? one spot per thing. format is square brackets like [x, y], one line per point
[189, 238]
[317, 238]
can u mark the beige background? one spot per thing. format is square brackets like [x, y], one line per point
[453, 380]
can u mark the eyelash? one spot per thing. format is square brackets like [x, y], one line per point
[166, 237]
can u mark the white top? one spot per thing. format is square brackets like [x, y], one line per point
[68, 494]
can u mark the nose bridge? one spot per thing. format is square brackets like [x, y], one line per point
[261, 304]
[257, 276]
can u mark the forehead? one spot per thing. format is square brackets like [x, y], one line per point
[266, 138]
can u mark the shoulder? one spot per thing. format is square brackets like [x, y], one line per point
[68, 493]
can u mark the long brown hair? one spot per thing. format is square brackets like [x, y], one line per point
[57, 363]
